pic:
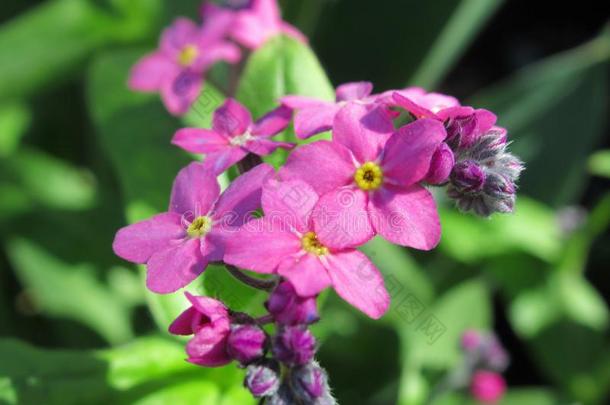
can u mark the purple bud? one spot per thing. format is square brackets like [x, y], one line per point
[441, 165]
[288, 308]
[471, 340]
[310, 384]
[294, 346]
[468, 176]
[283, 396]
[495, 356]
[460, 130]
[246, 343]
[262, 380]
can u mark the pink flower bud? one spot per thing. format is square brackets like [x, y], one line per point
[487, 387]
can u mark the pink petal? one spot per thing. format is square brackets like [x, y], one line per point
[197, 140]
[408, 153]
[358, 282]
[354, 91]
[219, 162]
[323, 165]
[179, 92]
[139, 241]
[149, 72]
[217, 22]
[310, 121]
[231, 118]
[263, 147]
[182, 32]
[183, 325]
[289, 202]
[298, 102]
[406, 217]
[195, 190]
[341, 219]
[363, 130]
[261, 245]
[175, 267]
[212, 245]
[250, 31]
[273, 122]
[306, 273]
[213, 53]
[215, 311]
[237, 203]
[411, 106]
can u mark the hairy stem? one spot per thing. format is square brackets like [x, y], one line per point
[265, 285]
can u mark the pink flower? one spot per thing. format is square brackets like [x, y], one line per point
[177, 245]
[369, 177]
[253, 22]
[419, 102]
[185, 53]
[209, 321]
[234, 135]
[285, 242]
[314, 116]
[487, 387]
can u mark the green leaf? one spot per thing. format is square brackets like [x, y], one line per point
[517, 396]
[455, 35]
[49, 181]
[14, 120]
[70, 291]
[282, 66]
[149, 370]
[544, 106]
[220, 284]
[532, 229]
[599, 163]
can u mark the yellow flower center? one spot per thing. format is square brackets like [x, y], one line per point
[199, 227]
[311, 244]
[369, 176]
[187, 55]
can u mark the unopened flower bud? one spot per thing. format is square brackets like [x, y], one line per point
[468, 177]
[288, 308]
[495, 356]
[294, 346]
[246, 343]
[263, 380]
[441, 165]
[487, 387]
[459, 130]
[284, 396]
[310, 384]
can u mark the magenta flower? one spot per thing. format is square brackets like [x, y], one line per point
[419, 102]
[253, 22]
[234, 135]
[314, 116]
[487, 387]
[177, 245]
[285, 242]
[185, 53]
[369, 178]
[209, 321]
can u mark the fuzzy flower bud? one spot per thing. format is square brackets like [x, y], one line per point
[487, 387]
[288, 308]
[294, 346]
[310, 384]
[283, 396]
[468, 177]
[262, 380]
[246, 343]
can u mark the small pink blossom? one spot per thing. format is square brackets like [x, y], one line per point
[176, 68]
[208, 320]
[253, 23]
[177, 245]
[314, 116]
[285, 242]
[487, 387]
[368, 178]
[234, 135]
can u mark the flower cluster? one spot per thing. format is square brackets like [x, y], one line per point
[300, 225]
[485, 360]
[187, 50]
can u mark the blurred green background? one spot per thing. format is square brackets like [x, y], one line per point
[80, 156]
